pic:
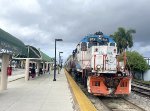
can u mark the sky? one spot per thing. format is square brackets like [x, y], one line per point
[40, 22]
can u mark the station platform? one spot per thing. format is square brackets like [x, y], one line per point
[38, 94]
[43, 94]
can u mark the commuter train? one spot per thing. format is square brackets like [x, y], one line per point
[95, 63]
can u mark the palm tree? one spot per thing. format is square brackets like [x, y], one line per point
[123, 38]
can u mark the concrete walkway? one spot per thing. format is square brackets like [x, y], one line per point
[39, 94]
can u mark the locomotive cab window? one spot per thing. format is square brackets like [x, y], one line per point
[92, 42]
[83, 46]
[112, 44]
[105, 41]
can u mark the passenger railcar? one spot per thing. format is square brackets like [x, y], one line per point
[95, 61]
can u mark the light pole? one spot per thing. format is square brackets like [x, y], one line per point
[59, 61]
[55, 59]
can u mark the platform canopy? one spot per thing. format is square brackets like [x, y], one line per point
[10, 44]
[34, 54]
[45, 57]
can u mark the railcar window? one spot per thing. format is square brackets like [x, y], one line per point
[83, 46]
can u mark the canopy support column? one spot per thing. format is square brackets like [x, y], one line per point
[38, 68]
[27, 70]
[46, 66]
[4, 77]
[43, 67]
[50, 67]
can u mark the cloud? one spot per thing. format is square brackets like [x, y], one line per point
[38, 22]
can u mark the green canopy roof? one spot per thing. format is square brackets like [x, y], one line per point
[10, 44]
[35, 54]
[45, 57]
[32, 52]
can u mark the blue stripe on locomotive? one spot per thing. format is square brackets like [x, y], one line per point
[85, 39]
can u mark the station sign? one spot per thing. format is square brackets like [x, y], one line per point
[7, 48]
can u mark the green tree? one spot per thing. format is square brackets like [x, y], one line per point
[136, 62]
[123, 38]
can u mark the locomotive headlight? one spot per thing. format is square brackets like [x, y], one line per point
[122, 68]
[98, 67]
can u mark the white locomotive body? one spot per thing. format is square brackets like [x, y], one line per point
[95, 61]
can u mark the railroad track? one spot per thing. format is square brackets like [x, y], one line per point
[111, 104]
[120, 104]
[140, 89]
[141, 84]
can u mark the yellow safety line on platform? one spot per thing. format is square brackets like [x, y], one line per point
[84, 103]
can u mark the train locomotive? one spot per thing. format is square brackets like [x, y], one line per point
[95, 62]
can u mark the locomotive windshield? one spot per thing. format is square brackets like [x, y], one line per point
[92, 43]
[112, 44]
[97, 41]
[103, 41]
